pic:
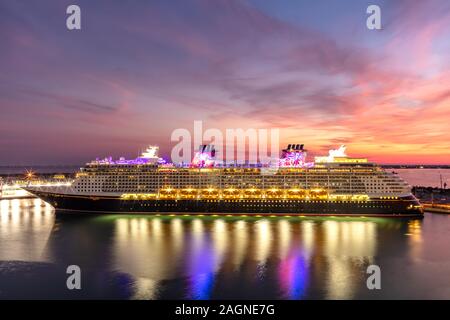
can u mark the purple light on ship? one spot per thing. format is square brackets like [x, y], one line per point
[150, 156]
[294, 156]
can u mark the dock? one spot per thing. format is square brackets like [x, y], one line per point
[437, 208]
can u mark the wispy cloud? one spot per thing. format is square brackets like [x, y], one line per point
[144, 69]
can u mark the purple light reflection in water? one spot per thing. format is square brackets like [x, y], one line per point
[293, 275]
[201, 265]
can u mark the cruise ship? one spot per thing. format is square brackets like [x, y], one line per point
[13, 191]
[332, 185]
[14, 188]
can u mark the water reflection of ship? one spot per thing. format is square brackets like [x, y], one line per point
[185, 257]
[25, 224]
[202, 258]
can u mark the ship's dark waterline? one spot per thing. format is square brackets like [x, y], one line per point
[149, 257]
[408, 207]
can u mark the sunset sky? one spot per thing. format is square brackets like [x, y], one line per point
[136, 72]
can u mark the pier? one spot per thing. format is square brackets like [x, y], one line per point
[11, 184]
[436, 200]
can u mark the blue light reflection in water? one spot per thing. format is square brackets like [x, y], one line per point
[201, 263]
[293, 275]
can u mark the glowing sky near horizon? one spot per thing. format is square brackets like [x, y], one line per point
[136, 72]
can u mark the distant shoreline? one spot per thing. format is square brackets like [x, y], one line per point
[77, 166]
[70, 170]
[415, 166]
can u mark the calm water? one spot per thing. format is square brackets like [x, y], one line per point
[424, 177]
[148, 257]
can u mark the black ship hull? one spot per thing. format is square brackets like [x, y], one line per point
[401, 207]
